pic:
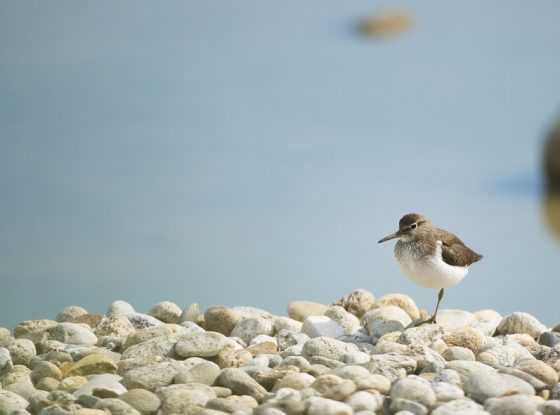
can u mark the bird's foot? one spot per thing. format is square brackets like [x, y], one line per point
[420, 322]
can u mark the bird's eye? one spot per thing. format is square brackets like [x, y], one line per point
[413, 226]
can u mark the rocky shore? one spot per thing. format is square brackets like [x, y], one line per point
[352, 357]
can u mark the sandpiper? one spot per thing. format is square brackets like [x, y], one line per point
[431, 257]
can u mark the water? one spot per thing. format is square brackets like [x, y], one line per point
[252, 153]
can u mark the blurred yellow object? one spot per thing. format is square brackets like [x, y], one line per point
[551, 212]
[386, 24]
[552, 159]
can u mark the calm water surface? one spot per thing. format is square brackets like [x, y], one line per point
[252, 153]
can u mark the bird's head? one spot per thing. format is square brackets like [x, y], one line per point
[409, 226]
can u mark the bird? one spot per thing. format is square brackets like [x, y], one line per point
[430, 256]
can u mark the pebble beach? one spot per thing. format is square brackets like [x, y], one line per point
[354, 356]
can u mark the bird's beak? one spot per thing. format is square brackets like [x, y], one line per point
[389, 237]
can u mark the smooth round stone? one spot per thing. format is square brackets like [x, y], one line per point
[285, 339]
[240, 383]
[457, 353]
[22, 351]
[451, 319]
[392, 365]
[482, 386]
[114, 325]
[150, 377]
[467, 337]
[333, 387]
[231, 405]
[145, 402]
[166, 311]
[205, 344]
[363, 379]
[549, 338]
[385, 319]
[425, 334]
[71, 333]
[540, 370]
[158, 346]
[72, 383]
[34, 330]
[295, 381]
[115, 406]
[249, 328]
[177, 399]
[322, 406]
[165, 330]
[551, 407]
[402, 301]
[348, 321]
[95, 363]
[406, 405]
[107, 384]
[120, 307]
[300, 310]
[317, 326]
[6, 363]
[45, 369]
[11, 402]
[143, 321]
[204, 372]
[286, 323]
[358, 302]
[327, 347]
[460, 407]
[519, 322]
[47, 384]
[446, 392]
[70, 313]
[513, 405]
[414, 389]
[221, 319]
[508, 355]
[365, 401]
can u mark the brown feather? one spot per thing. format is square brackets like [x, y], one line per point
[454, 251]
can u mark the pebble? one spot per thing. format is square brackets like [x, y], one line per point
[365, 401]
[319, 360]
[104, 386]
[358, 302]
[317, 326]
[95, 363]
[520, 322]
[385, 319]
[145, 402]
[460, 407]
[300, 310]
[414, 389]
[72, 333]
[207, 344]
[11, 402]
[249, 328]
[402, 301]
[166, 311]
[348, 321]
[513, 405]
[323, 406]
[221, 319]
[241, 383]
[458, 353]
[70, 313]
[327, 347]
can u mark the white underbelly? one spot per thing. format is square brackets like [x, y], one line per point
[432, 272]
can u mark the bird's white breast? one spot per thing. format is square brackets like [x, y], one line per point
[429, 271]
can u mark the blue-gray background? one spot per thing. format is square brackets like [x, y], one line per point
[252, 152]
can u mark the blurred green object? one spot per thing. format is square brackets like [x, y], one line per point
[551, 212]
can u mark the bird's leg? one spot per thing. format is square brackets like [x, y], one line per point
[432, 319]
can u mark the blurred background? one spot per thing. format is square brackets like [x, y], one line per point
[253, 152]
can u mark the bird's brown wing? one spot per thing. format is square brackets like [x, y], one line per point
[454, 251]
